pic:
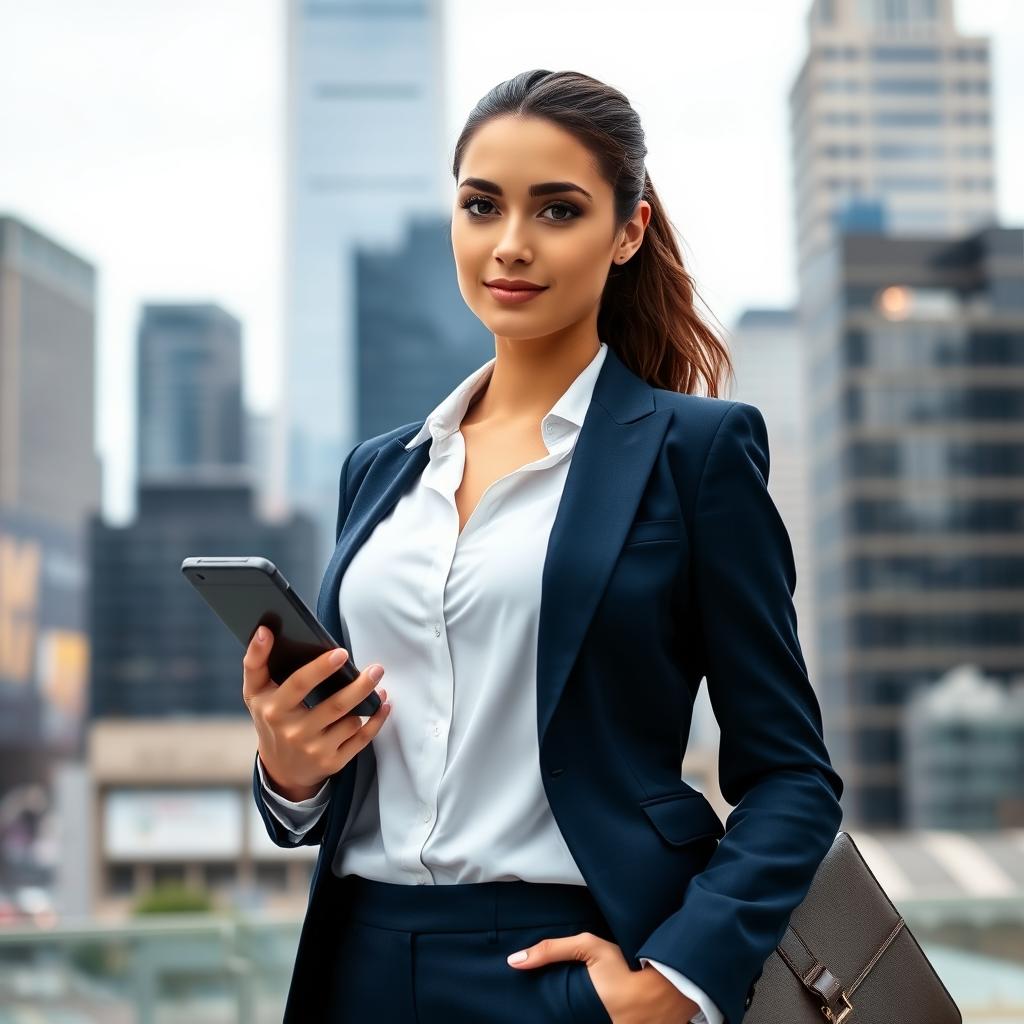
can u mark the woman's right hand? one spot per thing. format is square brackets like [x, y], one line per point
[300, 747]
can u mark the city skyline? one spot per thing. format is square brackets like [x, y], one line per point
[160, 139]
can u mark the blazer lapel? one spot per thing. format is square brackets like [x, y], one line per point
[615, 451]
[391, 474]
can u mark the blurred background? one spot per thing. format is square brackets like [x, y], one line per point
[224, 260]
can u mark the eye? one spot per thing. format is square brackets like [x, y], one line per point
[472, 201]
[574, 210]
[476, 199]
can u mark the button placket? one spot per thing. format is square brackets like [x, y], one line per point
[442, 572]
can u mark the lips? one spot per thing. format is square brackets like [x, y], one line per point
[514, 286]
[514, 295]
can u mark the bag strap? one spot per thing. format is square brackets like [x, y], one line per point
[819, 980]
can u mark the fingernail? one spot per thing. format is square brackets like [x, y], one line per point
[375, 671]
[337, 656]
[261, 634]
[517, 958]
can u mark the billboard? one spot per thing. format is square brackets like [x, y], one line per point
[44, 650]
[183, 824]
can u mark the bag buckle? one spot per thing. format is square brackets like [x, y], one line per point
[831, 1017]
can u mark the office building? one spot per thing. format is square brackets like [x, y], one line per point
[190, 420]
[964, 753]
[425, 338]
[890, 124]
[916, 411]
[365, 148]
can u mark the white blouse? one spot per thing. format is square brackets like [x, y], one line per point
[457, 795]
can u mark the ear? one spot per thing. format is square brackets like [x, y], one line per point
[632, 234]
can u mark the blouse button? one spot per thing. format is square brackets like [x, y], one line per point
[437, 629]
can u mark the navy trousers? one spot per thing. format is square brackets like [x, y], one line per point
[435, 954]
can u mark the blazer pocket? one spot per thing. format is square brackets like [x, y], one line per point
[646, 531]
[681, 818]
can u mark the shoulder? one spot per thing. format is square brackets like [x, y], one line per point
[363, 454]
[702, 426]
[356, 464]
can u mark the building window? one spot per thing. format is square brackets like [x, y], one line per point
[220, 875]
[895, 183]
[978, 86]
[907, 86]
[168, 874]
[908, 151]
[908, 118]
[120, 879]
[906, 54]
[273, 877]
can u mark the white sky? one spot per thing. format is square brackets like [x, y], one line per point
[147, 138]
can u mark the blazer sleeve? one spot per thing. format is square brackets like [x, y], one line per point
[281, 834]
[773, 765]
[298, 816]
[269, 804]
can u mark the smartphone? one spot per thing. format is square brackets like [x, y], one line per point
[249, 592]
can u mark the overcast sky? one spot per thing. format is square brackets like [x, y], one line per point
[147, 138]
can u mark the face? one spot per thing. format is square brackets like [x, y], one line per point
[564, 239]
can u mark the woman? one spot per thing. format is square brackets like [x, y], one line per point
[546, 583]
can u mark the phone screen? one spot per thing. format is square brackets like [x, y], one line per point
[248, 592]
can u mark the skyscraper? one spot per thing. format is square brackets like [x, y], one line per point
[917, 457]
[49, 470]
[890, 124]
[908, 300]
[50, 484]
[423, 352]
[189, 394]
[365, 148]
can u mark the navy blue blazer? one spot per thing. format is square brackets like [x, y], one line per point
[668, 562]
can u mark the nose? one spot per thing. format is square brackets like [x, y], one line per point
[513, 245]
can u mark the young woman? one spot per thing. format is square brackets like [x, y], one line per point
[547, 566]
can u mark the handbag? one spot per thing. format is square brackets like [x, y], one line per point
[848, 957]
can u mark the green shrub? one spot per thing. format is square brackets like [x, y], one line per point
[174, 898]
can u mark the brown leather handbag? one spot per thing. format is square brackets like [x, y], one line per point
[848, 957]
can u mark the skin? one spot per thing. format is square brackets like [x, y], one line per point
[543, 345]
[540, 347]
[301, 747]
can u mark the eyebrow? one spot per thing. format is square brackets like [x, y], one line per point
[543, 189]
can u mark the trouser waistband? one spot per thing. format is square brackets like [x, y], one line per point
[470, 906]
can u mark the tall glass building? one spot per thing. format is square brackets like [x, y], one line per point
[916, 406]
[423, 346]
[189, 394]
[890, 123]
[365, 148]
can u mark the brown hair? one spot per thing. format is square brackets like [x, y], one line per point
[647, 314]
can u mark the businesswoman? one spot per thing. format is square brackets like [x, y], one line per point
[546, 567]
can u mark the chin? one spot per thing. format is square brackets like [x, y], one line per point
[519, 326]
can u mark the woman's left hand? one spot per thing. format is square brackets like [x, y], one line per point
[630, 997]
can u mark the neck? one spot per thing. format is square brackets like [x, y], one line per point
[530, 375]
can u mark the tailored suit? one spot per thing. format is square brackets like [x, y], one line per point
[667, 563]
